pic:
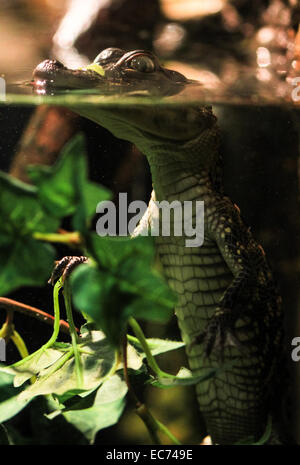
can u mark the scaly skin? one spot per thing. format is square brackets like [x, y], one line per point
[228, 306]
[223, 282]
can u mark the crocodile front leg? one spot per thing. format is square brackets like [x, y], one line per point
[252, 293]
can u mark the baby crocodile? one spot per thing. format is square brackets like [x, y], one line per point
[228, 309]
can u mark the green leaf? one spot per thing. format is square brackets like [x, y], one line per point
[10, 403]
[151, 310]
[97, 294]
[124, 285]
[87, 283]
[20, 209]
[110, 300]
[157, 346]
[106, 410]
[21, 216]
[58, 376]
[33, 366]
[138, 278]
[111, 252]
[64, 188]
[19, 268]
[184, 378]
[97, 358]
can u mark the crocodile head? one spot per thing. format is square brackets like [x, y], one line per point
[146, 124]
[112, 70]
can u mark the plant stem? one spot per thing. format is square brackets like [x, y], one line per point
[72, 238]
[7, 328]
[126, 376]
[55, 333]
[8, 332]
[152, 424]
[140, 409]
[22, 349]
[68, 305]
[167, 432]
[20, 344]
[149, 421]
[151, 360]
[56, 289]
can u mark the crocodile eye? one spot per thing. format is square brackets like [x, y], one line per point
[143, 64]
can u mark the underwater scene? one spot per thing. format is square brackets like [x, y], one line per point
[149, 224]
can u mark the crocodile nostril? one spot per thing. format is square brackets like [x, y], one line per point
[47, 66]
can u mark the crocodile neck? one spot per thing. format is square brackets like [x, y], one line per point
[174, 180]
[176, 166]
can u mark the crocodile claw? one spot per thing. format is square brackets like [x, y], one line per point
[65, 266]
[220, 333]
